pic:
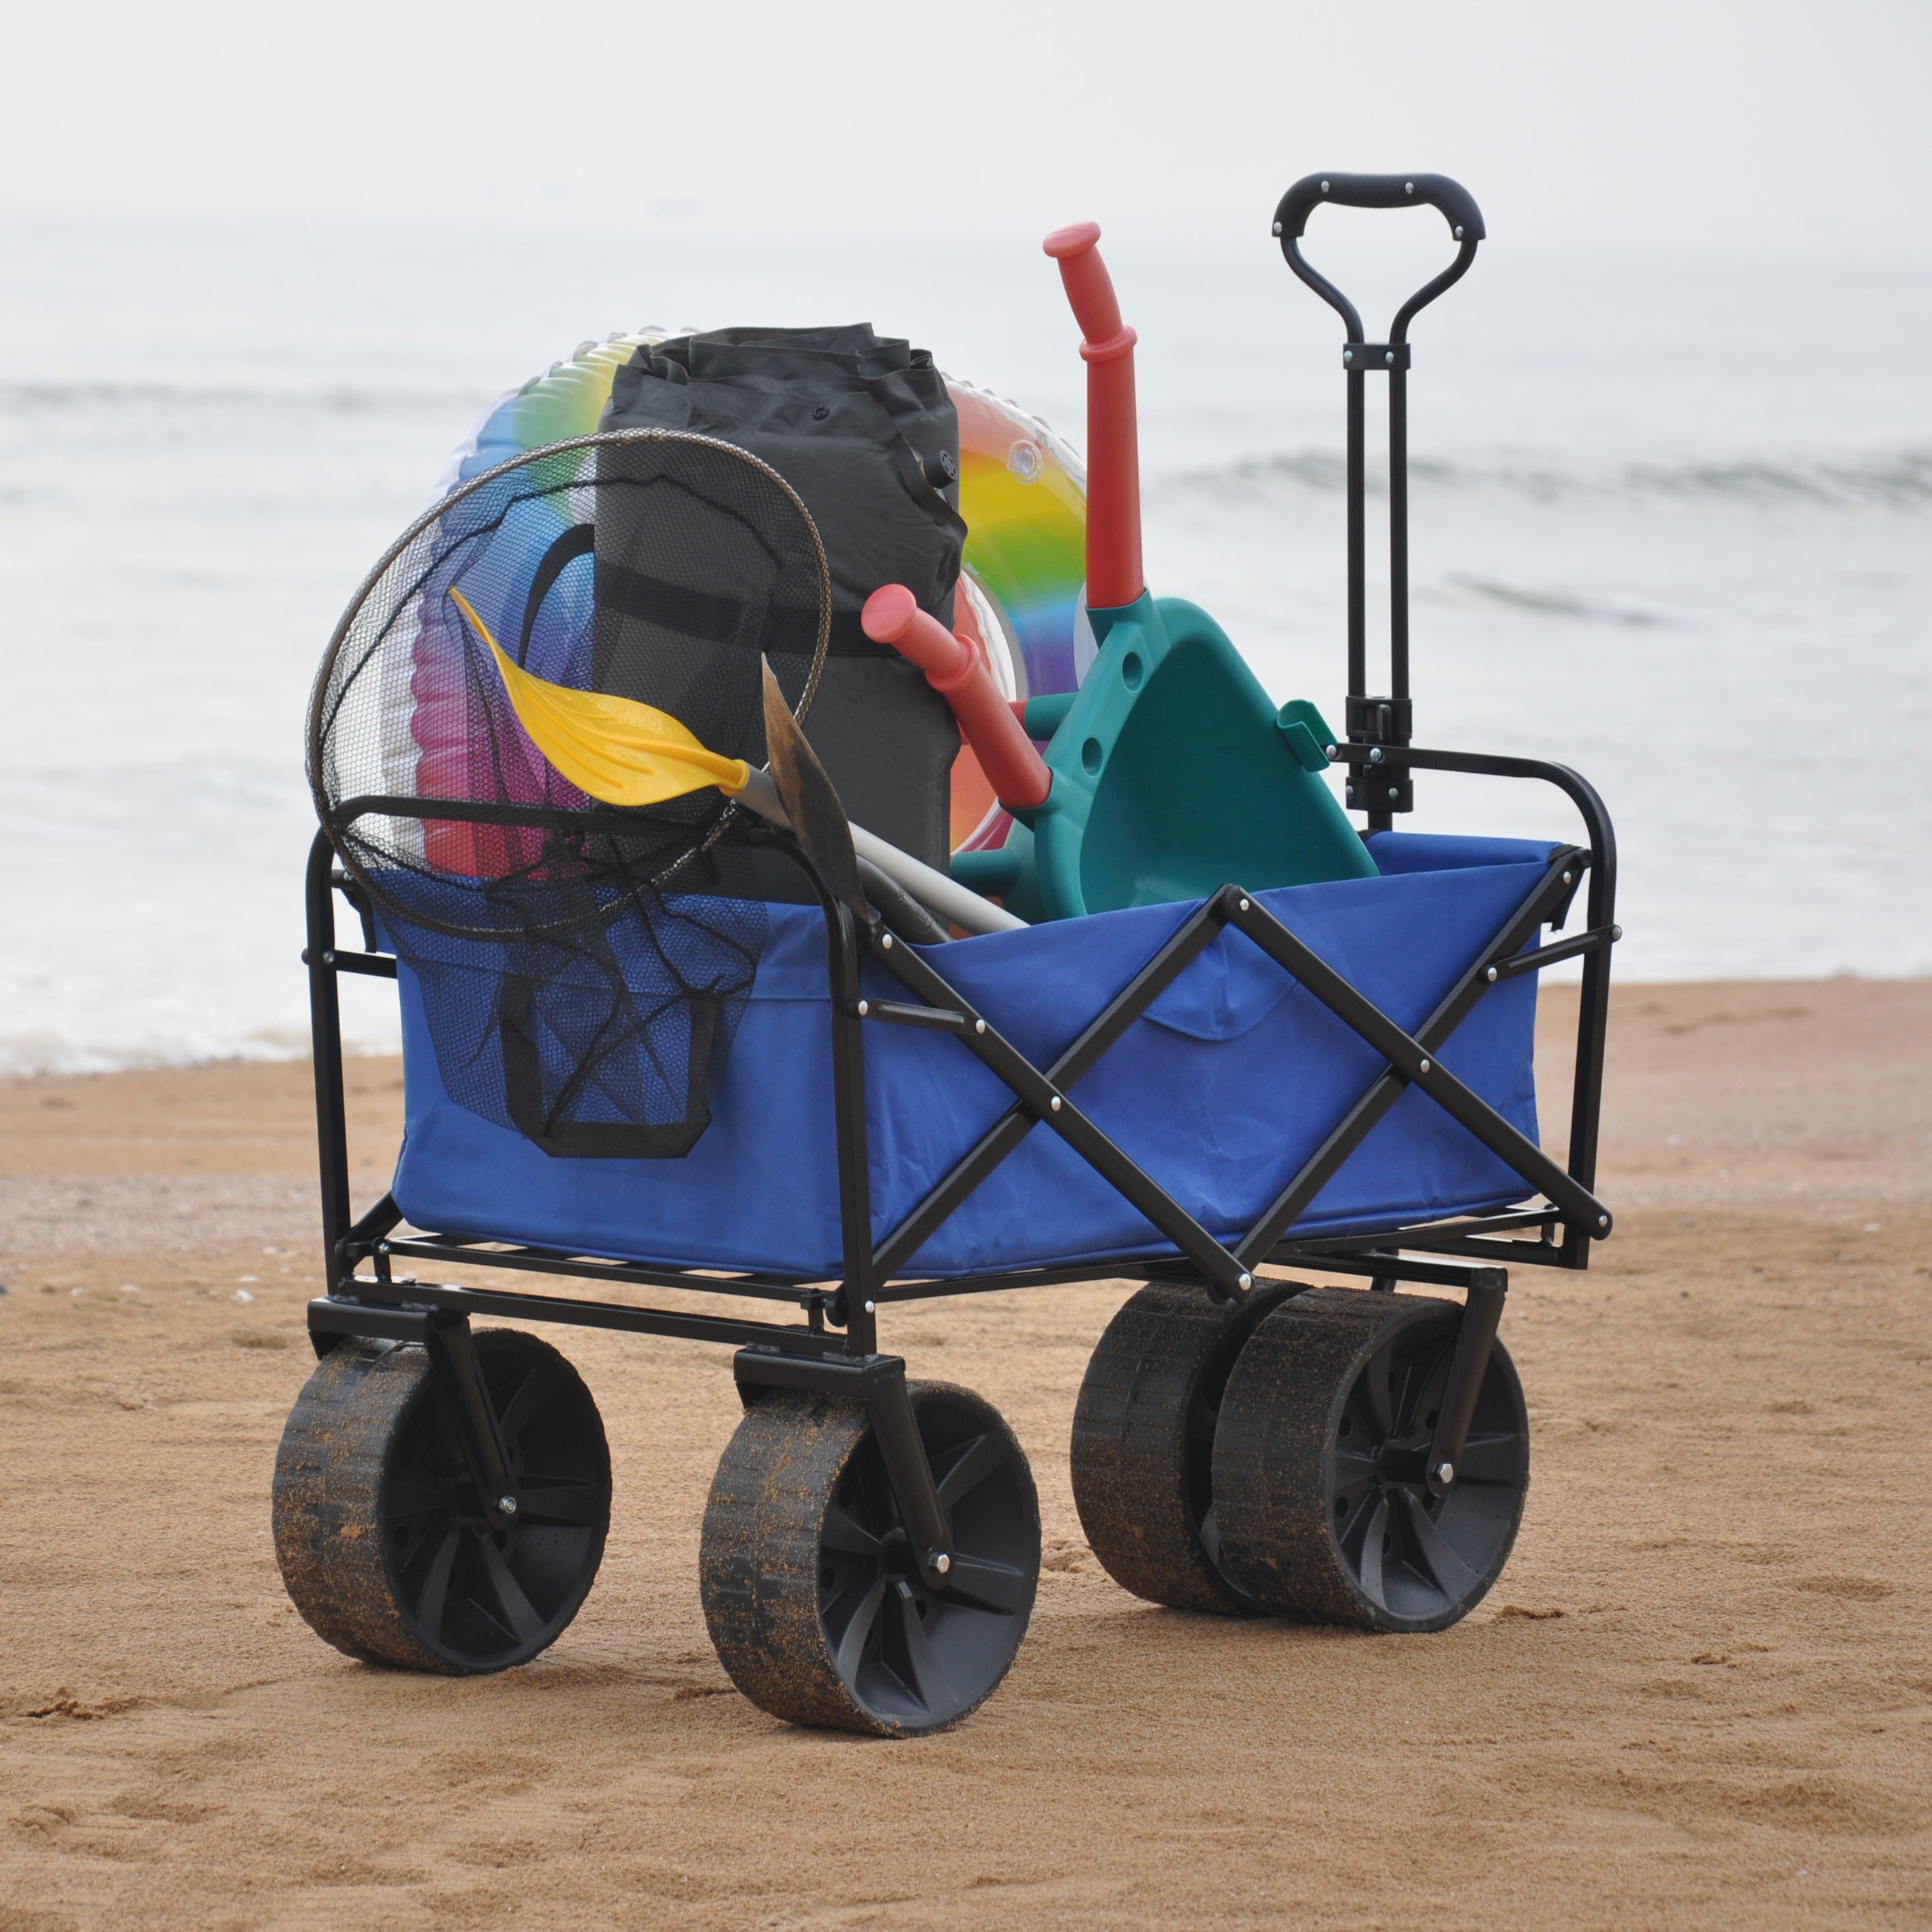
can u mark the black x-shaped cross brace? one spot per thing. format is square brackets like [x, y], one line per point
[1043, 1096]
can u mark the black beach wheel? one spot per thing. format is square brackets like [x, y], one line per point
[810, 1590]
[379, 1529]
[1324, 1512]
[1143, 1444]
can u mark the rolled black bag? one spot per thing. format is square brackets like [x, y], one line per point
[861, 426]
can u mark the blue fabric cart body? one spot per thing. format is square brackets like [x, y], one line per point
[1220, 1092]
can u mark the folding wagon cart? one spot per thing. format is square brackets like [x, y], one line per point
[659, 1057]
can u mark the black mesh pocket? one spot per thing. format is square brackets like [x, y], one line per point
[603, 1045]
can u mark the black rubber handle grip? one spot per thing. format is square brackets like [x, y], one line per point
[1457, 205]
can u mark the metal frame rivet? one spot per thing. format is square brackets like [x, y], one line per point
[979, 1026]
[1055, 1103]
[871, 1308]
[506, 1505]
[1277, 228]
[1244, 905]
[886, 942]
[1244, 1282]
[1424, 1067]
[1408, 188]
[1388, 355]
[1567, 879]
[1491, 975]
[1324, 188]
[864, 1007]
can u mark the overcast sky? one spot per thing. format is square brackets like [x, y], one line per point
[1750, 124]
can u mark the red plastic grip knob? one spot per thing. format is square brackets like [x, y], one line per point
[1013, 768]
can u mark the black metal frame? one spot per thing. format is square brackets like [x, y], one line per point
[838, 1336]
[834, 1347]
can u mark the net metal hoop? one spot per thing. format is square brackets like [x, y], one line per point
[328, 814]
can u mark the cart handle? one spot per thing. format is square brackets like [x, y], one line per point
[1455, 203]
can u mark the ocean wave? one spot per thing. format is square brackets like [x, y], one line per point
[1900, 479]
[1545, 603]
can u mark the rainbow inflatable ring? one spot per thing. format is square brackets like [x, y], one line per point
[1022, 492]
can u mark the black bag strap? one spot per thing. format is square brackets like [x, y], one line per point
[580, 540]
[598, 1140]
[697, 613]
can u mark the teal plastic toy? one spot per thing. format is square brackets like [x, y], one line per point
[1172, 773]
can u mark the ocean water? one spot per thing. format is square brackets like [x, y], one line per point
[1670, 525]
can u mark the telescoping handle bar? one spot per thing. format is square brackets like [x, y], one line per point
[1115, 576]
[1385, 787]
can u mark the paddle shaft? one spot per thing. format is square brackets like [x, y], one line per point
[931, 888]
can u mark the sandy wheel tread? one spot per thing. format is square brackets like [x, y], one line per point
[380, 1536]
[1324, 1509]
[1143, 1442]
[814, 1606]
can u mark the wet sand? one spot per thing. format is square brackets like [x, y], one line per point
[1701, 1694]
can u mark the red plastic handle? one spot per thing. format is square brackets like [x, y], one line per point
[1114, 573]
[1015, 770]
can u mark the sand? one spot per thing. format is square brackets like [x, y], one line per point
[1701, 1694]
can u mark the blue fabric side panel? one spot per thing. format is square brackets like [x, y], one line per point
[1220, 1092]
[1396, 852]
[760, 1188]
[1222, 1123]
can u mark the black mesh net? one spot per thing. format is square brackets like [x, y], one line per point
[582, 967]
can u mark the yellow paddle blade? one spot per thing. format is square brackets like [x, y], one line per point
[613, 748]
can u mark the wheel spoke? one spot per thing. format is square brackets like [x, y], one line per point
[578, 1504]
[1489, 1459]
[1210, 1539]
[928, 1680]
[858, 1627]
[1430, 1398]
[518, 1607]
[1374, 1531]
[1351, 1527]
[536, 1389]
[1373, 1389]
[405, 1495]
[1351, 1492]
[846, 1534]
[985, 1585]
[979, 1459]
[1454, 1577]
[435, 1596]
